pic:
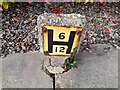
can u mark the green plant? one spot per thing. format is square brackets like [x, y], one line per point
[5, 3]
[70, 63]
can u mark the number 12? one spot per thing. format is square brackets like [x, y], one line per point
[61, 49]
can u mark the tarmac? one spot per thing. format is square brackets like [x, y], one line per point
[96, 69]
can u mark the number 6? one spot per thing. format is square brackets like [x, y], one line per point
[62, 35]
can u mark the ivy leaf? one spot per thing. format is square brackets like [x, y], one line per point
[5, 5]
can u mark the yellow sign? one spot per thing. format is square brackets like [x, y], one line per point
[59, 40]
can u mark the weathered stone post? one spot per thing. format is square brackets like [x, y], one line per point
[54, 63]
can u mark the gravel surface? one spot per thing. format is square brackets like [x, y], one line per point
[19, 34]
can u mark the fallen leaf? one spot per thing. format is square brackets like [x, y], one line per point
[102, 7]
[109, 13]
[56, 10]
[98, 26]
[5, 5]
[107, 29]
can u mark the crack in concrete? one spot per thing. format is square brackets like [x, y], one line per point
[49, 73]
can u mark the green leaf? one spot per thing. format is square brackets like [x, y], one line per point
[5, 5]
[11, 1]
[1, 1]
[77, 1]
[86, 1]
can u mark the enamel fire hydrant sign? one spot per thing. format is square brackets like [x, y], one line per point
[60, 40]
